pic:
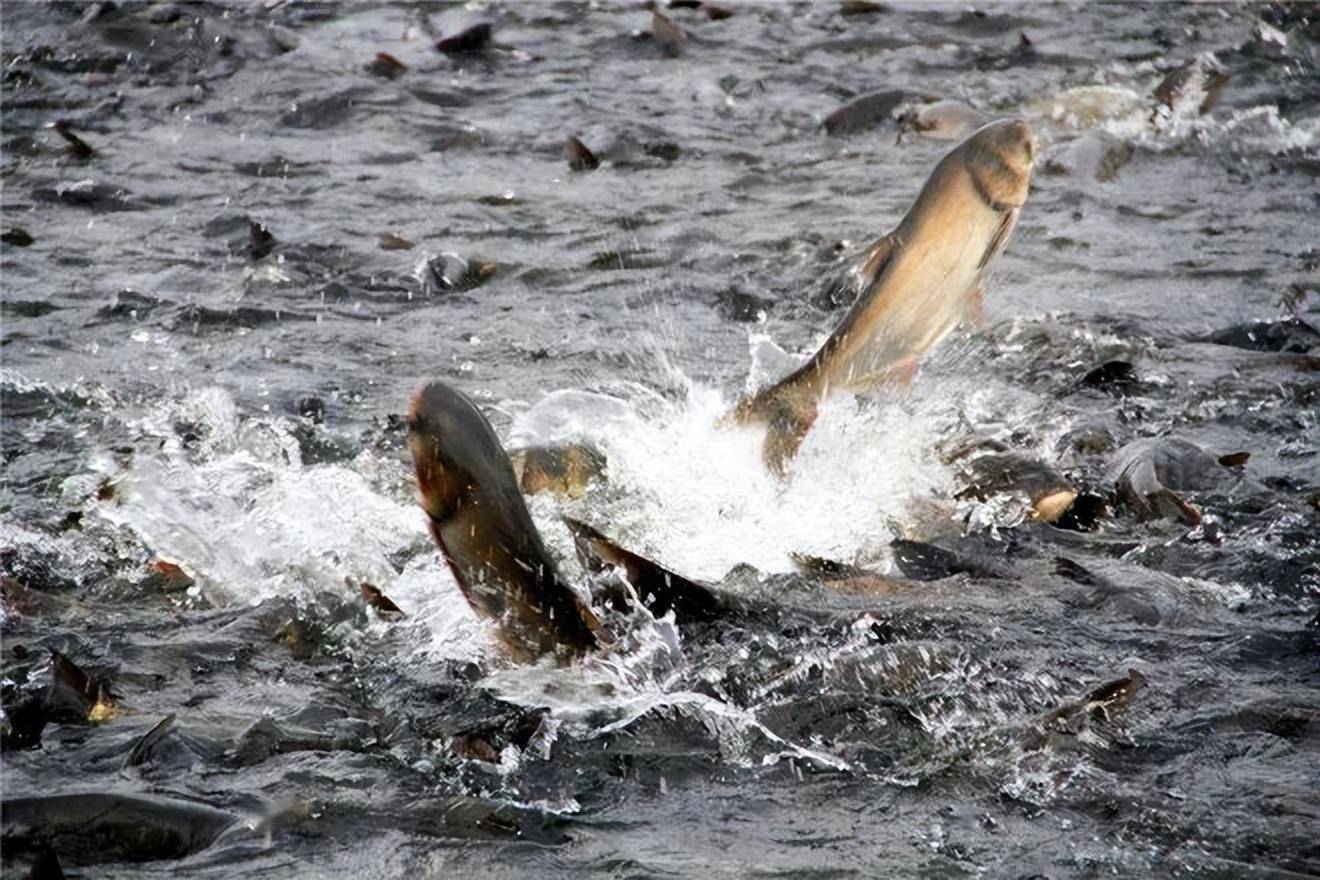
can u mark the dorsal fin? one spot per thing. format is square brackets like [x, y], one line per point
[659, 589]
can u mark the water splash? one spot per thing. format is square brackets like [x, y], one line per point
[248, 520]
[696, 496]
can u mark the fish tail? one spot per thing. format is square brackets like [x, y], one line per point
[785, 430]
[788, 412]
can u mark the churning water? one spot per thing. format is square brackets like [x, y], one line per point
[216, 306]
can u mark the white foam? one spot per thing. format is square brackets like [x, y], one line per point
[249, 521]
[242, 513]
[697, 497]
[1137, 118]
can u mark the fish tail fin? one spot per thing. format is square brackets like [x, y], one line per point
[785, 430]
[753, 410]
[788, 414]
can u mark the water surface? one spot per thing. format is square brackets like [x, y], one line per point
[179, 389]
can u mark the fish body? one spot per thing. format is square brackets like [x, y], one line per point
[469, 491]
[479, 520]
[915, 284]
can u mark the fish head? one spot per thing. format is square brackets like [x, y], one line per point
[1000, 155]
[453, 448]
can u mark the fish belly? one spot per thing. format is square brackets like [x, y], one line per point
[920, 298]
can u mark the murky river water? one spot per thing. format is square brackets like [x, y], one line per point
[235, 240]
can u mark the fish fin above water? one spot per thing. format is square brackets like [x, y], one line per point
[1168, 503]
[788, 409]
[480, 522]
[1235, 459]
[1006, 224]
[873, 262]
[974, 312]
[929, 562]
[659, 589]
[1095, 718]
[785, 430]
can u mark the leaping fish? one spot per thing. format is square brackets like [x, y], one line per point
[915, 284]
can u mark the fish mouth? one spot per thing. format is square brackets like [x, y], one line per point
[1030, 143]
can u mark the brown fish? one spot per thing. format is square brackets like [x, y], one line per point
[481, 524]
[659, 589]
[1051, 495]
[580, 158]
[566, 470]
[78, 148]
[387, 66]
[479, 520]
[1151, 475]
[1093, 715]
[870, 111]
[474, 39]
[917, 283]
[672, 38]
[943, 120]
[376, 598]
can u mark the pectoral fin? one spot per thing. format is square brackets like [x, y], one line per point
[974, 313]
[873, 262]
[1007, 221]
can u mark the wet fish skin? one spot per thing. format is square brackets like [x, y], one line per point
[1150, 475]
[477, 38]
[943, 120]
[918, 282]
[1286, 335]
[659, 589]
[373, 596]
[565, 470]
[98, 827]
[1051, 495]
[141, 750]
[387, 66]
[672, 38]
[17, 236]
[869, 111]
[480, 522]
[1094, 717]
[579, 156]
[929, 562]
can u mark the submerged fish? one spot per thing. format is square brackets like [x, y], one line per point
[918, 282]
[1151, 476]
[943, 120]
[566, 469]
[97, 827]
